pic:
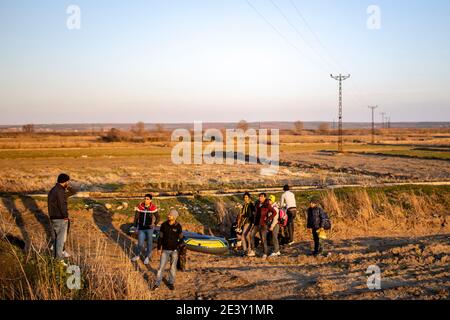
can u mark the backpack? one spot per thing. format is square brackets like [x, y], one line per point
[282, 218]
[182, 257]
[326, 222]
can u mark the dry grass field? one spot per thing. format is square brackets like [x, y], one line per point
[389, 203]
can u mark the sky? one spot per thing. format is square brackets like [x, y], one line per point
[222, 60]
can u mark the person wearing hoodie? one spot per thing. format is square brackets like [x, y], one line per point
[315, 222]
[274, 227]
[145, 219]
[264, 213]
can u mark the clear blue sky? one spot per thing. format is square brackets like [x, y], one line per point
[219, 60]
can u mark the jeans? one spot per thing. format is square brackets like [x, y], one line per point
[165, 257]
[59, 227]
[262, 230]
[145, 235]
[246, 237]
[291, 213]
[318, 243]
[275, 232]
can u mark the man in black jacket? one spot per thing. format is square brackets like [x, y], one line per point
[59, 215]
[316, 218]
[170, 236]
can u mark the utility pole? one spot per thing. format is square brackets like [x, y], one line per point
[340, 78]
[382, 119]
[373, 123]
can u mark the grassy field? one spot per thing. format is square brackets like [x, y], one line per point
[403, 229]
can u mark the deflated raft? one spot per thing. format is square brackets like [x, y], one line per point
[201, 243]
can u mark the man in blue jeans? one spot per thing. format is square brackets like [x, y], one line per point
[145, 219]
[170, 236]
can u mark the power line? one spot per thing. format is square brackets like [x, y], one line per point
[331, 57]
[300, 34]
[355, 91]
[282, 35]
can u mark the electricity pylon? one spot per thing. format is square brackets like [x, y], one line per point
[340, 78]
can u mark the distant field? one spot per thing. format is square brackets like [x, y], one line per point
[104, 151]
[30, 163]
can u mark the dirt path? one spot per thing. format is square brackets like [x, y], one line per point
[225, 193]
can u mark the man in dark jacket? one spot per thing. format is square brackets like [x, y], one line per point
[145, 219]
[59, 214]
[316, 217]
[170, 236]
[264, 215]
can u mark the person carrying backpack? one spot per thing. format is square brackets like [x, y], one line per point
[318, 221]
[263, 214]
[288, 202]
[145, 219]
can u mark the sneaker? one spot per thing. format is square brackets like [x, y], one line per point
[63, 264]
[171, 286]
[278, 253]
[146, 261]
[273, 254]
[66, 254]
[264, 256]
[291, 243]
[251, 254]
[135, 258]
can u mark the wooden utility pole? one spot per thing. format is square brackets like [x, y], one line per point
[373, 122]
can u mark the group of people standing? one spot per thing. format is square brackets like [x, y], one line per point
[263, 218]
[272, 220]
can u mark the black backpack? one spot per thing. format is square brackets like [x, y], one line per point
[182, 257]
[326, 222]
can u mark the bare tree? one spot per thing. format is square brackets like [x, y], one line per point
[28, 128]
[299, 126]
[139, 128]
[324, 128]
[243, 125]
[159, 127]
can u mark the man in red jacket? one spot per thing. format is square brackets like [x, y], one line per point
[146, 218]
[264, 215]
